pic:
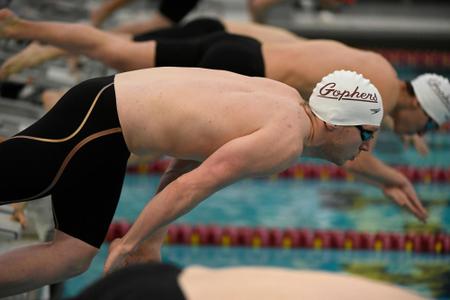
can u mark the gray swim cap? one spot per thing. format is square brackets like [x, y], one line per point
[433, 93]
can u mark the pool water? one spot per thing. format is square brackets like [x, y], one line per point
[297, 203]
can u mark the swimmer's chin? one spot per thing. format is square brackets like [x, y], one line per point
[342, 162]
[339, 163]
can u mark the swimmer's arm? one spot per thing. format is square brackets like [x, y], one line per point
[388, 123]
[246, 156]
[419, 143]
[243, 157]
[393, 183]
[136, 160]
[100, 14]
[367, 167]
[176, 168]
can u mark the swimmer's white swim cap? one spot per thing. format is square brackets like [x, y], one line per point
[347, 98]
[433, 93]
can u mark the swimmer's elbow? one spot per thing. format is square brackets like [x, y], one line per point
[204, 181]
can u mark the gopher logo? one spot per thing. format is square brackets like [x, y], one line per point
[329, 91]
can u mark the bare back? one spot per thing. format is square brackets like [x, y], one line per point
[304, 63]
[263, 33]
[189, 113]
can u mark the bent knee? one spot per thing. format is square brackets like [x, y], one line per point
[75, 255]
[80, 264]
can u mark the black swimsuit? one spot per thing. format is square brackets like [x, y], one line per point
[77, 154]
[204, 43]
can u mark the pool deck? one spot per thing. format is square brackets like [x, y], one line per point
[11, 237]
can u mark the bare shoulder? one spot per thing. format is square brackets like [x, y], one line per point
[384, 77]
[275, 148]
[380, 63]
[277, 87]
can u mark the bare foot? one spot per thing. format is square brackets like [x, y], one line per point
[8, 23]
[33, 55]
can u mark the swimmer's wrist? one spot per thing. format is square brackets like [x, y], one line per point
[130, 245]
[127, 246]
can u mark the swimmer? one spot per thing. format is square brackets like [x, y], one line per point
[37, 53]
[220, 127]
[169, 282]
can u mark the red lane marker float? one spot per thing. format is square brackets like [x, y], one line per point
[289, 238]
[417, 58]
[324, 172]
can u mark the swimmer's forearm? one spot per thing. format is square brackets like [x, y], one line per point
[374, 171]
[177, 199]
[176, 168]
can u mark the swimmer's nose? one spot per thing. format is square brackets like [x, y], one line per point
[364, 146]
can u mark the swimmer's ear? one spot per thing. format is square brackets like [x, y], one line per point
[410, 102]
[330, 127]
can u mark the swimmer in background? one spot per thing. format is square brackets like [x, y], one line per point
[164, 281]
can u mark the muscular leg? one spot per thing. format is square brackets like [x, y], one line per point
[73, 176]
[31, 267]
[113, 50]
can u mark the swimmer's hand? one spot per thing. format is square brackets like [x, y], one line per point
[419, 143]
[403, 194]
[117, 257]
